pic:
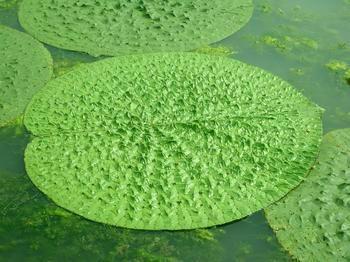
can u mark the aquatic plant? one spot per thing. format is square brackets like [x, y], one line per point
[25, 67]
[122, 27]
[169, 141]
[313, 221]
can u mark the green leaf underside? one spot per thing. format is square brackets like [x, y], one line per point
[169, 141]
[313, 221]
[123, 27]
[25, 67]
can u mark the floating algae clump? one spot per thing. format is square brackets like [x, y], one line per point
[336, 65]
[313, 221]
[103, 27]
[347, 76]
[25, 67]
[340, 67]
[215, 50]
[169, 141]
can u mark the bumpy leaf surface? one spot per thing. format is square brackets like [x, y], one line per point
[313, 221]
[104, 27]
[25, 67]
[169, 141]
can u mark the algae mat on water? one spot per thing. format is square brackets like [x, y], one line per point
[25, 67]
[103, 27]
[169, 141]
[313, 221]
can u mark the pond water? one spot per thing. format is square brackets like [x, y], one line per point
[303, 42]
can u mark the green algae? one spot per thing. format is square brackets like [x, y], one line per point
[336, 65]
[215, 50]
[313, 221]
[63, 66]
[288, 43]
[341, 68]
[25, 67]
[347, 76]
[134, 123]
[13, 122]
[125, 27]
[5, 4]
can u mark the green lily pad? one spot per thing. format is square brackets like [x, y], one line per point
[313, 221]
[25, 67]
[122, 27]
[169, 141]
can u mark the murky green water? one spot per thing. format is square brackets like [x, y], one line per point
[304, 42]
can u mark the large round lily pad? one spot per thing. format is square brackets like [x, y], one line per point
[104, 27]
[25, 67]
[169, 141]
[313, 221]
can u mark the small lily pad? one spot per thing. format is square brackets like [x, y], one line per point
[169, 141]
[106, 27]
[313, 221]
[25, 67]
